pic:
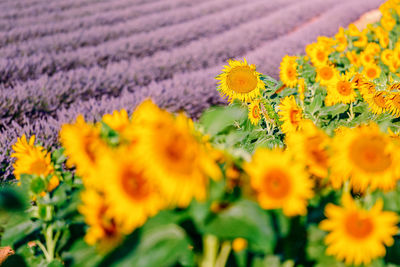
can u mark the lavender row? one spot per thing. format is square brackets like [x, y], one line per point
[95, 9]
[48, 7]
[141, 45]
[109, 17]
[48, 94]
[43, 5]
[90, 36]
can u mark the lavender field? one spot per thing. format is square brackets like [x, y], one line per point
[63, 58]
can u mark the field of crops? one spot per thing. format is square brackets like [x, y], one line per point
[90, 57]
[199, 133]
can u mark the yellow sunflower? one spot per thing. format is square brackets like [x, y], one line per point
[309, 146]
[81, 142]
[393, 104]
[103, 229]
[36, 161]
[326, 74]
[366, 156]
[291, 114]
[288, 71]
[387, 57]
[377, 102]
[240, 80]
[132, 194]
[254, 112]
[341, 90]
[175, 158]
[358, 236]
[371, 71]
[373, 48]
[318, 54]
[278, 186]
[367, 58]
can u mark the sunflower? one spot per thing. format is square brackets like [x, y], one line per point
[119, 121]
[35, 161]
[393, 104]
[367, 58]
[81, 142]
[341, 90]
[318, 54]
[377, 102]
[373, 48]
[326, 74]
[103, 229]
[366, 156]
[309, 146]
[240, 80]
[371, 71]
[133, 195]
[176, 159]
[288, 71]
[278, 186]
[254, 112]
[356, 235]
[291, 114]
[387, 57]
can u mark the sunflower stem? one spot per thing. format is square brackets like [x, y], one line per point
[223, 254]
[210, 243]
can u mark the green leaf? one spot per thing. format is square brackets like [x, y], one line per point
[17, 229]
[165, 245]
[333, 110]
[247, 220]
[216, 119]
[12, 200]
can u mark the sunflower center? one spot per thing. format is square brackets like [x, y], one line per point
[317, 154]
[326, 73]
[276, 183]
[358, 227]
[88, 148]
[179, 153]
[294, 116]
[320, 55]
[242, 79]
[134, 184]
[379, 100]
[368, 153]
[371, 73]
[291, 73]
[344, 88]
[256, 112]
[38, 167]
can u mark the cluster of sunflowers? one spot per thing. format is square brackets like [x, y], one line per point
[301, 171]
